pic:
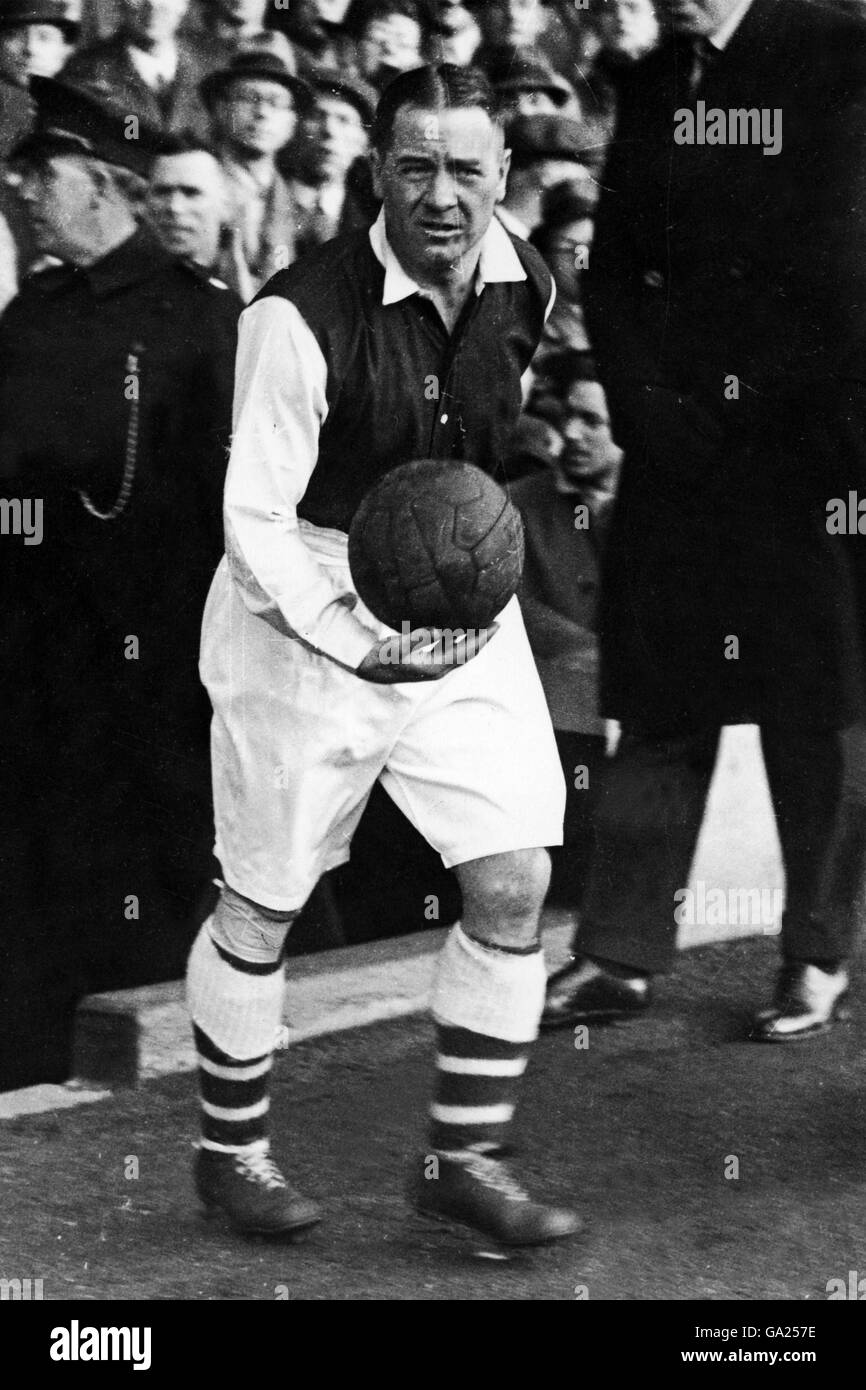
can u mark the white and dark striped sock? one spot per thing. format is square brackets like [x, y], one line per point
[487, 1003]
[476, 1087]
[234, 1097]
[235, 1007]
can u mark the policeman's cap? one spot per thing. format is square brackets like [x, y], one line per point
[73, 119]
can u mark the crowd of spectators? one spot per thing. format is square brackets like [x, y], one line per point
[280, 98]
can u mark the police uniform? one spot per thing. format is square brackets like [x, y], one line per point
[115, 388]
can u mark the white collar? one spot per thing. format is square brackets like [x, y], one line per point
[725, 32]
[511, 223]
[155, 67]
[498, 261]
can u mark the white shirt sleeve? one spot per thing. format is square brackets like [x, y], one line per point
[279, 408]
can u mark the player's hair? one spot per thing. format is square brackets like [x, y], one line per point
[436, 87]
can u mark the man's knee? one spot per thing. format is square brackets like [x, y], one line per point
[247, 930]
[506, 888]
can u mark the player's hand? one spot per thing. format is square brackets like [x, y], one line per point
[428, 655]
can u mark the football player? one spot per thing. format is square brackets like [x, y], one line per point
[406, 340]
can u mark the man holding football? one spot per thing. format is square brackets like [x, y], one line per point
[404, 341]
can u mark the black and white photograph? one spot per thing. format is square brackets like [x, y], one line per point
[433, 713]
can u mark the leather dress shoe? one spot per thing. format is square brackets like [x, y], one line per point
[583, 990]
[806, 1003]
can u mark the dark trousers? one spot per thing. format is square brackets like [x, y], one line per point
[583, 758]
[648, 817]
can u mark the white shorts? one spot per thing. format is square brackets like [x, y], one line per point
[298, 741]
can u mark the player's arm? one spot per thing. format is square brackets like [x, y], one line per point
[430, 655]
[280, 405]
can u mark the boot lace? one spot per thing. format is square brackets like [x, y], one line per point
[494, 1174]
[260, 1168]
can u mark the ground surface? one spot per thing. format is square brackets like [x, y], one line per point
[637, 1130]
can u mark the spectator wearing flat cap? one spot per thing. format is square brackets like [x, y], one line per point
[530, 87]
[330, 180]
[545, 150]
[254, 103]
[148, 67]
[115, 397]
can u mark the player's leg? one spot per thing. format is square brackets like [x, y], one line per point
[235, 994]
[297, 742]
[477, 772]
[487, 1000]
[487, 1003]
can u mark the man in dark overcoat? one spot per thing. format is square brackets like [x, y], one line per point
[725, 300]
[115, 401]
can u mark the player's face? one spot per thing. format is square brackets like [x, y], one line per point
[589, 456]
[33, 50]
[698, 17]
[440, 180]
[186, 205]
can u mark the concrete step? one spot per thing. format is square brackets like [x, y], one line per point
[125, 1037]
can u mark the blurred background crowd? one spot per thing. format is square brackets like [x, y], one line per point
[270, 104]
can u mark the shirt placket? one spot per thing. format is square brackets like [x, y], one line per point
[447, 431]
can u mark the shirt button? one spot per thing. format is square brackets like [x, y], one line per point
[443, 420]
[653, 279]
